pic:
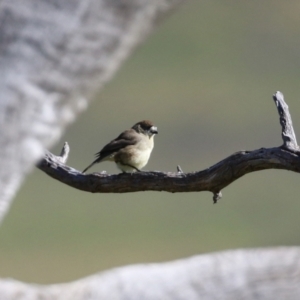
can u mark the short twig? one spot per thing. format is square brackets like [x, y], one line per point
[287, 132]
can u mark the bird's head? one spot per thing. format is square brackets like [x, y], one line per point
[146, 127]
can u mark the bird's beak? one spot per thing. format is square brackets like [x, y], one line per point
[153, 130]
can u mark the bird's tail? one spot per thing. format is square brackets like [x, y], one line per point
[89, 166]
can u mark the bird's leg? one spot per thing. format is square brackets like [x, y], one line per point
[138, 170]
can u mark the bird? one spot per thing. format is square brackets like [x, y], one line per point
[131, 149]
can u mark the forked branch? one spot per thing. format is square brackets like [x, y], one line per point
[213, 179]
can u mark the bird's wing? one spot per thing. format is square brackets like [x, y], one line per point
[127, 138]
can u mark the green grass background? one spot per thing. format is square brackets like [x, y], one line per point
[206, 78]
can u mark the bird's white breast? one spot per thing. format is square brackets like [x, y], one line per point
[140, 154]
[144, 148]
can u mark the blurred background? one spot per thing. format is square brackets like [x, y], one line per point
[206, 79]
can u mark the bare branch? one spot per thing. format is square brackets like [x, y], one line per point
[213, 179]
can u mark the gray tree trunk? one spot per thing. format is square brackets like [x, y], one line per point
[54, 55]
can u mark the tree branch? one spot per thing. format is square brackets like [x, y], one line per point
[213, 179]
[229, 275]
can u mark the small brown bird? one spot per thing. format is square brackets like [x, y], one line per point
[131, 149]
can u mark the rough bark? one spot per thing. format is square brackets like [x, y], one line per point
[213, 179]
